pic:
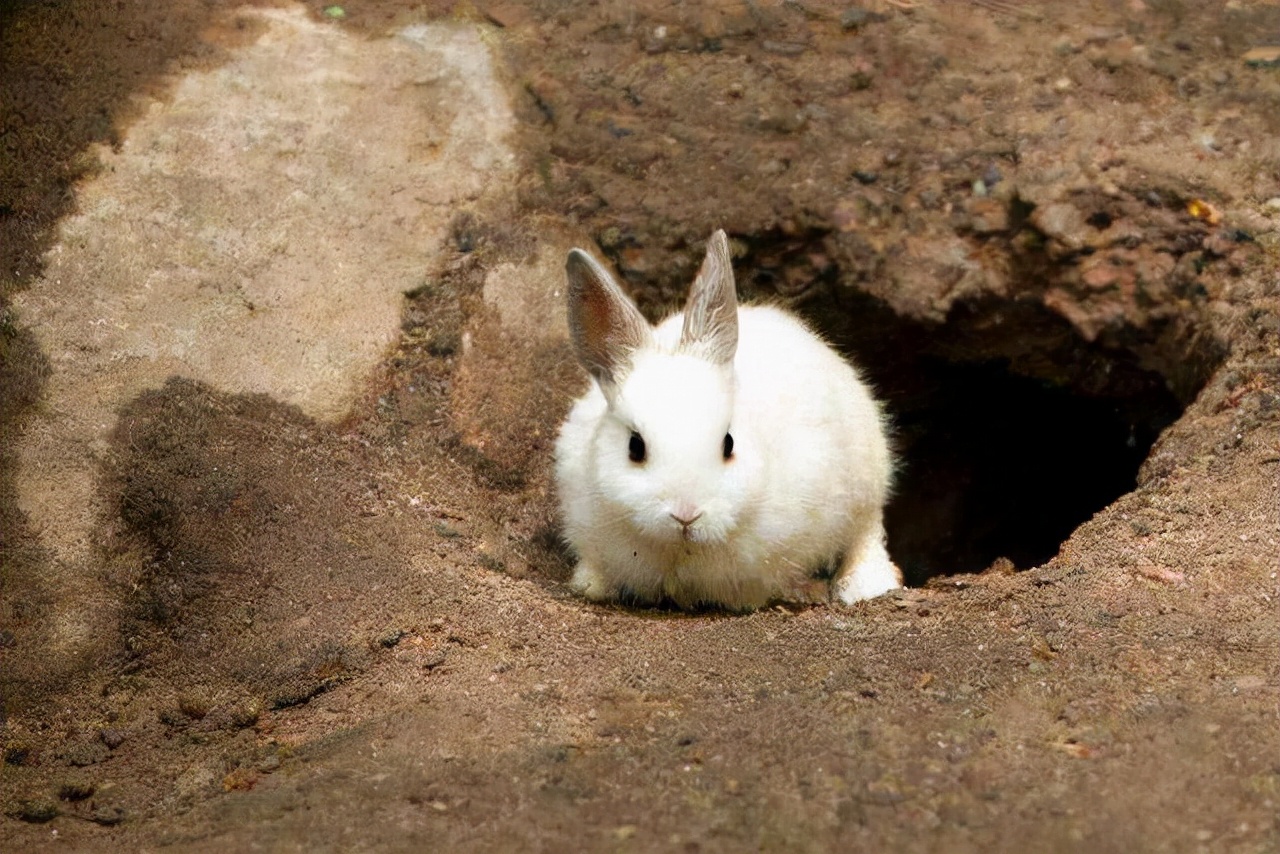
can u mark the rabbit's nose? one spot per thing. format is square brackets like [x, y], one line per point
[685, 515]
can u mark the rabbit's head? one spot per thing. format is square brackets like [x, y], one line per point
[667, 452]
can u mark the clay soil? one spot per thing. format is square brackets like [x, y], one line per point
[357, 636]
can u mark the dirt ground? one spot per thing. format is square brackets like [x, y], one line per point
[1050, 234]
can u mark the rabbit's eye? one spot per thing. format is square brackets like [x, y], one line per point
[635, 448]
[728, 446]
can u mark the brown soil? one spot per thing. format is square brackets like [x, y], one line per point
[1050, 233]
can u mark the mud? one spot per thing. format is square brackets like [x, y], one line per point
[1048, 234]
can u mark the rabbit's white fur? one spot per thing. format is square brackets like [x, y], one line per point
[805, 485]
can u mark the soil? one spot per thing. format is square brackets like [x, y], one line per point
[324, 607]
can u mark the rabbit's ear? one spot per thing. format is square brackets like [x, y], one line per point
[604, 323]
[711, 314]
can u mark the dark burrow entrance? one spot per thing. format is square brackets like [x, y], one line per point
[1011, 429]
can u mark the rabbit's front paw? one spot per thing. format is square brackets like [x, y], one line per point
[587, 581]
[866, 575]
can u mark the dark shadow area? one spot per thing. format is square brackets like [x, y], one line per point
[998, 465]
[1007, 440]
[24, 598]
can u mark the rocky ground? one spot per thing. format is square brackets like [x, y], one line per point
[282, 358]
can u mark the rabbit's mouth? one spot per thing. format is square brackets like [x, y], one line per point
[692, 535]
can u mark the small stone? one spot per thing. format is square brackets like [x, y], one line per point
[782, 119]
[194, 705]
[656, 42]
[84, 753]
[392, 637]
[75, 790]
[609, 238]
[1002, 566]
[106, 815]
[246, 714]
[865, 177]
[855, 17]
[1062, 222]
[783, 48]
[112, 738]
[36, 811]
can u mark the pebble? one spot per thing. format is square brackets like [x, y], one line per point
[856, 16]
[112, 738]
[657, 40]
[389, 639]
[85, 753]
[37, 811]
[106, 815]
[247, 713]
[783, 48]
[1063, 223]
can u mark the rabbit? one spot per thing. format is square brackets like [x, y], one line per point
[721, 459]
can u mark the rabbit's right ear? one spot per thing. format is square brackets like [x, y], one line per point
[605, 325]
[711, 313]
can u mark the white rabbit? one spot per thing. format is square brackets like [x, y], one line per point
[722, 458]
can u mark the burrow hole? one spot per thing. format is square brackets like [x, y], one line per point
[1010, 428]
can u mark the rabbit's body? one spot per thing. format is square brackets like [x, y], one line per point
[759, 466]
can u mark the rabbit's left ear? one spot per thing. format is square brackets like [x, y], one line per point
[711, 313]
